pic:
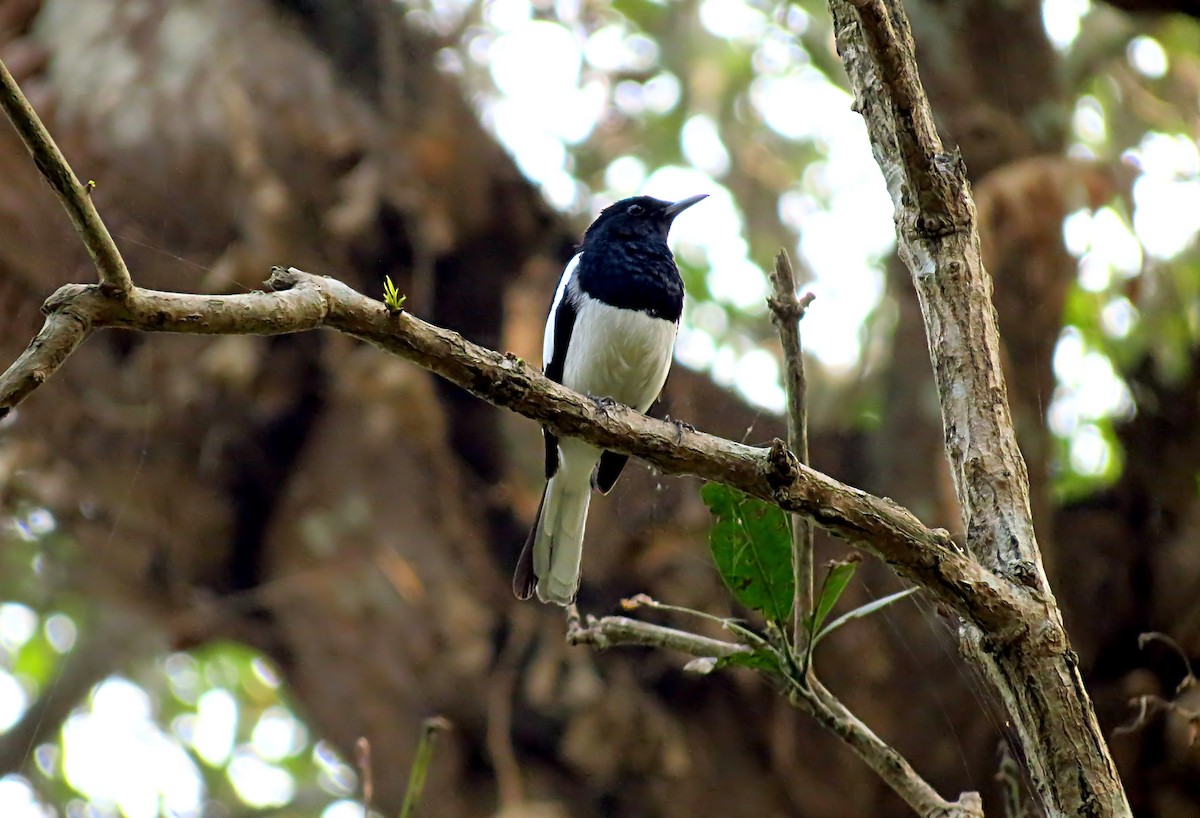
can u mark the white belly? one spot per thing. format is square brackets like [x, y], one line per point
[618, 354]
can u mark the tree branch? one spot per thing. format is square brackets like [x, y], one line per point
[809, 696]
[74, 197]
[888, 764]
[299, 301]
[935, 218]
[621, 631]
[1038, 674]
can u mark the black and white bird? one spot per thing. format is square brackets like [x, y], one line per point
[610, 334]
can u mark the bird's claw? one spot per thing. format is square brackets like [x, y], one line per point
[681, 426]
[603, 402]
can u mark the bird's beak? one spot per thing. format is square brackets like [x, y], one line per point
[683, 204]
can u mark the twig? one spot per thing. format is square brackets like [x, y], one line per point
[420, 766]
[75, 198]
[1189, 677]
[813, 698]
[786, 312]
[621, 631]
[301, 301]
[61, 333]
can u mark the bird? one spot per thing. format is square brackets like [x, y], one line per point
[610, 334]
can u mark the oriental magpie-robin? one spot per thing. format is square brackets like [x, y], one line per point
[610, 334]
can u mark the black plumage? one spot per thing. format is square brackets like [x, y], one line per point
[610, 334]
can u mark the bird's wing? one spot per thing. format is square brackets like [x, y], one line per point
[559, 326]
[555, 340]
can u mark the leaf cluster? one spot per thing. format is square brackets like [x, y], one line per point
[751, 545]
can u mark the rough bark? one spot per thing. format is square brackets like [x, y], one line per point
[1037, 674]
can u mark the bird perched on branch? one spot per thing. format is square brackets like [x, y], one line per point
[610, 334]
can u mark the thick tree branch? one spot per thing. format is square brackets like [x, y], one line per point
[1038, 674]
[300, 301]
[74, 197]
[935, 218]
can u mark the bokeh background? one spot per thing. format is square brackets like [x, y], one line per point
[226, 559]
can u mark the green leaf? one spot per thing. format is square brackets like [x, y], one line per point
[862, 611]
[832, 588]
[752, 548]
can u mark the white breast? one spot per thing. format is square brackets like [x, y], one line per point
[617, 353]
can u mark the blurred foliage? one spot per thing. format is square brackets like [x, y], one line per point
[1136, 82]
[214, 718]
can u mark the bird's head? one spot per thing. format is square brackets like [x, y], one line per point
[639, 217]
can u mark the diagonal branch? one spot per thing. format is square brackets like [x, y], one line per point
[881, 757]
[74, 197]
[938, 240]
[300, 301]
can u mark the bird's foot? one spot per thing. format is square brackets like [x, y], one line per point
[681, 426]
[603, 402]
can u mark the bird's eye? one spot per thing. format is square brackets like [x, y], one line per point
[635, 210]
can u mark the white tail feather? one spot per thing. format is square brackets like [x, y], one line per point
[558, 548]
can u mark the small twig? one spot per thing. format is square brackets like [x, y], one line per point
[752, 639]
[1189, 678]
[75, 198]
[621, 631]
[813, 698]
[786, 312]
[362, 749]
[420, 766]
